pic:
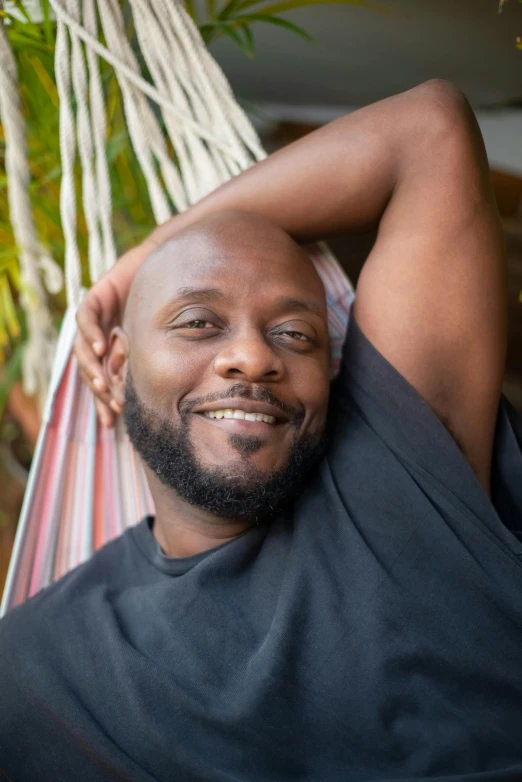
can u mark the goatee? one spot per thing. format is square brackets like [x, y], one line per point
[241, 491]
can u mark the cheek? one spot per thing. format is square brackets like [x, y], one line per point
[165, 373]
[312, 386]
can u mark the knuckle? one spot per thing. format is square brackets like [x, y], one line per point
[86, 379]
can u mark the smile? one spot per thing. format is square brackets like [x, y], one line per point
[240, 415]
[243, 413]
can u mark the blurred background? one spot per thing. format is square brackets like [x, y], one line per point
[294, 65]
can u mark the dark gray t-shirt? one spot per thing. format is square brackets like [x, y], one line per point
[373, 631]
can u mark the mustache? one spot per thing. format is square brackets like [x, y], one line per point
[253, 393]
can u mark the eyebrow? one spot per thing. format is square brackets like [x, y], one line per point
[214, 294]
[302, 305]
[201, 294]
[189, 294]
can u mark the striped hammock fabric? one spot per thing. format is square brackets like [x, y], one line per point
[86, 484]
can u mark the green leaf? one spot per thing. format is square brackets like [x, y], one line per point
[208, 32]
[8, 258]
[289, 5]
[236, 29]
[274, 20]
[249, 38]
[22, 9]
[230, 7]
[116, 145]
[238, 39]
[7, 308]
[48, 27]
[51, 176]
[23, 40]
[13, 372]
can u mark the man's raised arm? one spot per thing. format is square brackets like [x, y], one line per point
[431, 296]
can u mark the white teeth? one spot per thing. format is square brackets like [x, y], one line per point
[240, 414]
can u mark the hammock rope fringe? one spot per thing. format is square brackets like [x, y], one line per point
[196, 102]
[86, 484]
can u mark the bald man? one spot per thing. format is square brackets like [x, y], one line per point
[223, 382]
[331, 586]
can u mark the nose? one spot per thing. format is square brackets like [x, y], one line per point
[248, 356]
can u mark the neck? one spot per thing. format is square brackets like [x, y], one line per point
[182, 529]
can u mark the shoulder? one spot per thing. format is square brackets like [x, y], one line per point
[52, 651]
[42, 619]
[43, 640]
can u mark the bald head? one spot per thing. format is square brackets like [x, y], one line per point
[231, 314]
[235, 239]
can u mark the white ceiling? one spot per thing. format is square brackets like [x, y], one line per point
[362, 55]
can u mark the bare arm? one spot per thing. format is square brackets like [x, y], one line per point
[431, 296]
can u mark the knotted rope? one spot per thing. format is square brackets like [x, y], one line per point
[210, 134]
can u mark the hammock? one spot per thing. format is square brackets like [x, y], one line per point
[86, 484]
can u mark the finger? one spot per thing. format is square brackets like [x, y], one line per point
[105, 397]
[88, 318]
[90, 364]
[115, 406]
[105, 414]
[96, 383]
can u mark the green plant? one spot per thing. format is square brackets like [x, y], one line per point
[234, 18]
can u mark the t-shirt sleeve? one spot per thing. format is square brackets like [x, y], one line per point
[49, 729]
[30, 730]
[13, 711]
[401, 429]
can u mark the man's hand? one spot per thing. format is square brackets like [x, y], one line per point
[102, 309]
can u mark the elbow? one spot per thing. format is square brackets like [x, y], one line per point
[441, 96]
[444, 121]
[443, 107]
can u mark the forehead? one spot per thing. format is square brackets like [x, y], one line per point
[245, 265]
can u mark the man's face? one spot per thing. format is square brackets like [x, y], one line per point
[229, 354]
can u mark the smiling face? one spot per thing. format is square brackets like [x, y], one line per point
[229, 354]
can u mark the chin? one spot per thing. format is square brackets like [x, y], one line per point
[242, 469]
[250, 451]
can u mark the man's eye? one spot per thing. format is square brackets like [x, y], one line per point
[297, 335]
[196, 324]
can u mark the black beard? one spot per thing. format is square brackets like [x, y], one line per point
[251, 494]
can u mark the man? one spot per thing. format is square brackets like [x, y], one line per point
[331, 587]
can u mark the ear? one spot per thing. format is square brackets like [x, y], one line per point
[115, 365]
